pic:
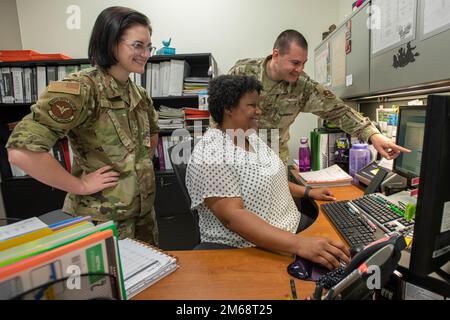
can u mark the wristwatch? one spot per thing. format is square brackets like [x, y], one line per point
[306, 194]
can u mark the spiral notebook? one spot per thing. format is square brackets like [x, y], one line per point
[143, 265]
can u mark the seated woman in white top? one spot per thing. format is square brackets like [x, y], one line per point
[239, 185]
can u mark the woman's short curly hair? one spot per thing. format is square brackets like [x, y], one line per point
[226, 91]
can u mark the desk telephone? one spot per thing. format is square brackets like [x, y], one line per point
[350, 282]
[379, 179]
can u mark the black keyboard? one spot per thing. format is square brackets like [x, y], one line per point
[357, 220]
[351, 225]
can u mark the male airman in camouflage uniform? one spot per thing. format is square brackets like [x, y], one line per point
[107, 123]
[293, 91]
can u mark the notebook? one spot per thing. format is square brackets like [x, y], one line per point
[143, 265]
[332, 176]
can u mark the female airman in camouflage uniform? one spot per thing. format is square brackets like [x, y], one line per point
[111, 126]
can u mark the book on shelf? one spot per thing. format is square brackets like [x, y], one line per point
[164, 144]
[195, 85]
[61, 151]
[136, 78]
[148, 79]
[166, 78]
[203, 101]
[161, 159]
[26, 84]
[52, 74]
[194, 113]
[7, 89]
[201, 80]
[41, 78]
[179, 69]
[332, 176]
[143, 265]
[17, 77]
[155, 86]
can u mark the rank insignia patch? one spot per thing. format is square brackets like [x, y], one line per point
[62, 110]
[328, 94]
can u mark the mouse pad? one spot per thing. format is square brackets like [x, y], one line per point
[306, 270]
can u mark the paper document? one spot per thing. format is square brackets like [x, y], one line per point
[143, 265]
[328, 175]
[394, 23]
[436, 15]
[21, 227]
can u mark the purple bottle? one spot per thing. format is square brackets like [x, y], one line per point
[304, 155]
[360, 156]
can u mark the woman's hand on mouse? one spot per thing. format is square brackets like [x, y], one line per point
[324, 251]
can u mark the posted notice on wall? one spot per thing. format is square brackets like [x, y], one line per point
[393, 23]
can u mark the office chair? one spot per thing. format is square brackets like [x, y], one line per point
[307, 207]
[180, 174]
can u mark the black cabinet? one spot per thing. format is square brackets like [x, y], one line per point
[25, 198]
[177, 230]
[175, 222]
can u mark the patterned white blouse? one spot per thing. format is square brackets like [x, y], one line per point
[219, 168]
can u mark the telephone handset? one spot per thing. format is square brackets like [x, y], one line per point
[349, 282]
[375, 183]
[396, 240]
[383, 254]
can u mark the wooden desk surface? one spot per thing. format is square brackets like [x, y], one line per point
[241, 273]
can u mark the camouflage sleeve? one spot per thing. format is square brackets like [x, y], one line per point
[61, 107]
[242, 67]
[152, 114]
[323, 103]
[237, 69]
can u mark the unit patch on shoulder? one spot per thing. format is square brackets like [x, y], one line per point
[65, 87]
[62, 110]
[328, 94]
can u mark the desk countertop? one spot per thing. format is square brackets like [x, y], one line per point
[240, 273]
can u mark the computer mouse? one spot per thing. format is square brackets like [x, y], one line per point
[306, 270]
[298, 269]
[355, 250]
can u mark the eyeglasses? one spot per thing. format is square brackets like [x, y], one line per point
[139, 48]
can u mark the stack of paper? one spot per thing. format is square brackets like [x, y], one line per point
[143, 265]
[332, 176]
[170, 118]
[195, 85]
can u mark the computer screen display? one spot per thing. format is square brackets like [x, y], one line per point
[410, 133]
[431, 243]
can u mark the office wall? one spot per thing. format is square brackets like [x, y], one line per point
[229, 29]
[9, 26]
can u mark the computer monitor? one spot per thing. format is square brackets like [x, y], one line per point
[410, 134]
[431, 241]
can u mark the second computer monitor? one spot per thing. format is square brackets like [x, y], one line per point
[410, 134]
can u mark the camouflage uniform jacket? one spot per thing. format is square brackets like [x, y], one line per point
[107, 124]
[281, 102]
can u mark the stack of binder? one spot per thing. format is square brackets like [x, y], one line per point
[70, 259]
